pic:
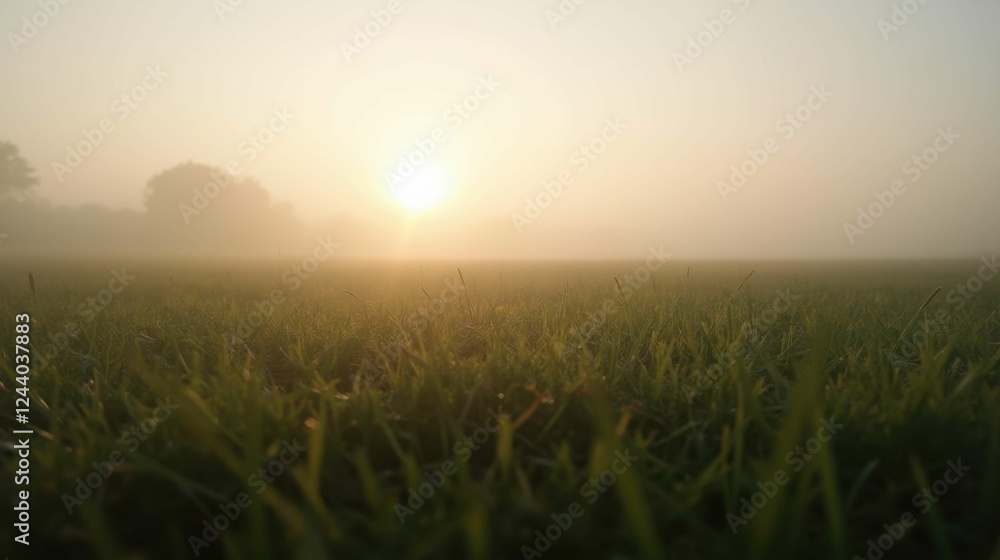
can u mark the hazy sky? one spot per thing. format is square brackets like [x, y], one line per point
[220, 74]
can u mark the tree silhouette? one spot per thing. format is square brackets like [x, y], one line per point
[199, 208]
[16, 174]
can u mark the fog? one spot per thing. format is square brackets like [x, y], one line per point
[730, 129]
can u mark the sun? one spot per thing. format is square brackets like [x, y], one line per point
[421, 188]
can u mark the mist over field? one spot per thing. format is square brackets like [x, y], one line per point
[733, 129]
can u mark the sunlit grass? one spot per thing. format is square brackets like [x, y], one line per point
[307, 374]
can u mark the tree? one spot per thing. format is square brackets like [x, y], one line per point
[16, 174]
[203, 209]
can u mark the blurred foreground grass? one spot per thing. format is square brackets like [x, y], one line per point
[509, 393]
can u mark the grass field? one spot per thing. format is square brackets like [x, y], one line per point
[256, 410]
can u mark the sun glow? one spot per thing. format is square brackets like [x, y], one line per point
[421, 189]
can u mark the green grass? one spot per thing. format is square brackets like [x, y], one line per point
[372, 415]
